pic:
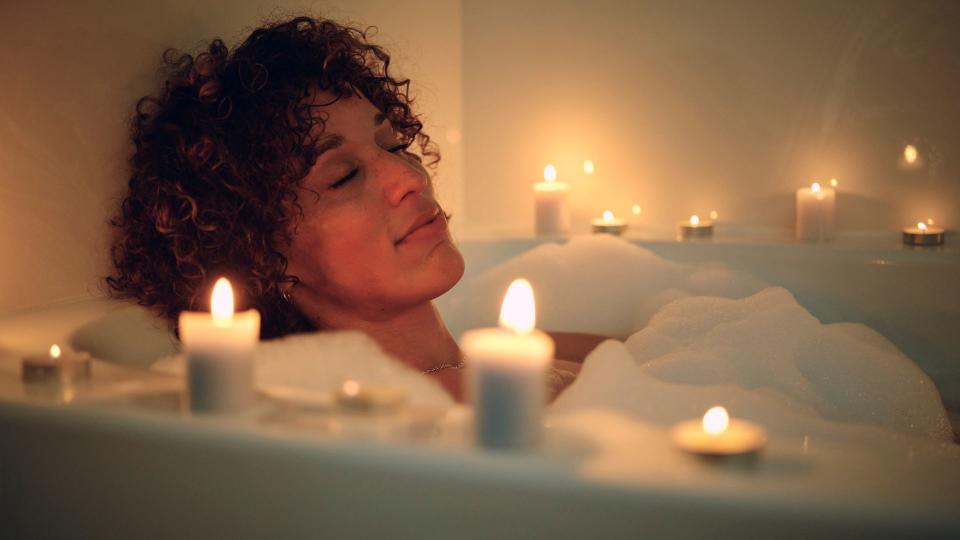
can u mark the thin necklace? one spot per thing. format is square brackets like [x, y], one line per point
[458, 365]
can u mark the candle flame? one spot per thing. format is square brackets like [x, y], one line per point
[636, 210]
[588, 167]
[550, 173]
[910, 153]
[607, 216]
[815, 187]
[834, 182]
[716, 420]
[55, 351]
[921, 225]
[350, 388]
[714, 214]
[694, 219]
[221, 302]
[518, 311]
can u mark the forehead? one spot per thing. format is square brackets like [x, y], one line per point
[352, 113]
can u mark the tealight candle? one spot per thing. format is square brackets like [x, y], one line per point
[219, 347]
[370, 397]
[816, 207]
[506, 371]
[923, 235]
[696, 227]
[609, 224]
[54, 366]
[550, 204]
[718, 435]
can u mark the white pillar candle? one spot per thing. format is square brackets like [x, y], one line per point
[816, 207]
[550, 204]
[506, 370]
[219, 347]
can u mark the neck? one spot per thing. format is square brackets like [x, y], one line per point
[416, 336]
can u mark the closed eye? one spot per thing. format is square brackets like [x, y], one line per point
[341, 182]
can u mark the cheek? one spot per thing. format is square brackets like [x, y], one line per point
[341, 248]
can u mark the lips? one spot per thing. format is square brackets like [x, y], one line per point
[422, 220]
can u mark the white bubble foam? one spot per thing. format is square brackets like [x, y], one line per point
[703, 334]
[766, 358]
[321, 361]
[598, 284]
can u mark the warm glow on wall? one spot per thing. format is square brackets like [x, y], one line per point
[910, 154]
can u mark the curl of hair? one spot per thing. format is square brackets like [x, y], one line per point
[219, 155]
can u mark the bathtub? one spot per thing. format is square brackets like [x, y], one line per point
[134, 468]
[910, 295]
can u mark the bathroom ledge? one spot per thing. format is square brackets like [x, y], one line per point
[855, 243]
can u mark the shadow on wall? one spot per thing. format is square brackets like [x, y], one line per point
[775, 209]
[862, 212]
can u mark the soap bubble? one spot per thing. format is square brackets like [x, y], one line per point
[766, 357]
[571, 280]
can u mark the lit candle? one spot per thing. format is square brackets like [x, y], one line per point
[696, 227]
[370, 397]
[506, 370]
[219, 347]
[923, 235]
[716, 434]
[56, 365]
[550, 204]
[608, 224]
[815, 213]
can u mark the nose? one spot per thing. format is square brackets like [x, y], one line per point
[403, 177]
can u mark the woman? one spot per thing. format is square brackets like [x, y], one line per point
[293, 165]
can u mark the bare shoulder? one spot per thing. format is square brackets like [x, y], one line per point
[567, 365]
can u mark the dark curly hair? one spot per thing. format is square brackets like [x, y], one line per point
[219, 156]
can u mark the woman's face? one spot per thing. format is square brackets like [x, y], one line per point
[373, 240]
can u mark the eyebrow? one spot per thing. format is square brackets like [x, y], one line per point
[336, 141]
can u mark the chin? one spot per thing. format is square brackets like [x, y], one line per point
[446, 267]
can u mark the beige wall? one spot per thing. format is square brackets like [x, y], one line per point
[683, 106]
[70, 73]
[688, 106]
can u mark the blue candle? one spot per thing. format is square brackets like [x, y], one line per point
[506, 370]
